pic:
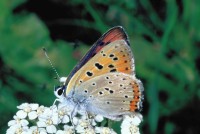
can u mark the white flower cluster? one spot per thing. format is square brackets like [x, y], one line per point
[35, 119]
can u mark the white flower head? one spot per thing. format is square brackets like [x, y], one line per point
[50, 119]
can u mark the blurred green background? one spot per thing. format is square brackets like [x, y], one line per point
[164, 36]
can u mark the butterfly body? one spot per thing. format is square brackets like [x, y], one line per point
[104, 81]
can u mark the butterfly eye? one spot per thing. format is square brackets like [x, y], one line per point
[58, 91]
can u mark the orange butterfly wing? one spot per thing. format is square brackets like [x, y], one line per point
[115, 57]
[114, 34]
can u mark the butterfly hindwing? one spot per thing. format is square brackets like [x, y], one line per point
[115, 93]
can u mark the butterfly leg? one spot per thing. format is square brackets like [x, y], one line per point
[71, 119]
[56, 100]
[73, 113]
[89, 119]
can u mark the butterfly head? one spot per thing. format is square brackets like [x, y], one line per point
[59, 90]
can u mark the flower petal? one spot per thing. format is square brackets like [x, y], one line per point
[69, 129]
[75, 120]
[99, 118]
[60, 132]
[22, 106]
[21, 114]
[65, 119]
[55, 119]
[42, 132]
[136, 121]
[34, 106]
[32, 115]
[80, 129]
[41, 124]
[24, 122]
[51, 129]
[11, 123]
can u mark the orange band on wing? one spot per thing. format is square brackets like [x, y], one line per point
[136, 99]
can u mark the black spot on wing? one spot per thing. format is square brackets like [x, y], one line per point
[111, 91]
[110, 66]
[115, 58]
[113, 70]
[106, 88]
[111, 55]
[99, 66]
[89, 73]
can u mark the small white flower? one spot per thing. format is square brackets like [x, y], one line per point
[37, 130]
[40, 110]
[14, 128]
[27, 109]
[49, 119]
[17, 129]
[48, 124]
[18, 121]
[130, 124]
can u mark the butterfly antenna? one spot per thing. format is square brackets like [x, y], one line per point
[54, 69]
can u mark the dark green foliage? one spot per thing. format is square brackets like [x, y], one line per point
[164, 36]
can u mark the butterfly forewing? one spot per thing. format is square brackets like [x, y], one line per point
[115, 57]
[114, 34]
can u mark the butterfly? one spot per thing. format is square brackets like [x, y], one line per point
[104, 81]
